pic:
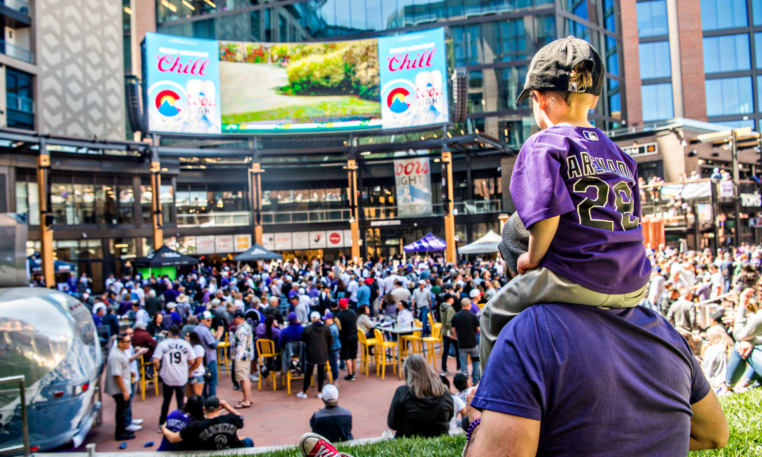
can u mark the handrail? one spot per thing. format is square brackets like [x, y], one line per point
[24, 423]
[719, 297]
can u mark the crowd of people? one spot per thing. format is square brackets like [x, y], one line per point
[178, 325]
[310, 312]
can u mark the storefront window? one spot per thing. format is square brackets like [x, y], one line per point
[123, 248]
[126, 204]
[84, 203]
[62, 203]
[167, 201]
[105, 204]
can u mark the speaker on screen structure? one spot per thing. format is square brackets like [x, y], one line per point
[134, 97]
[459, 96]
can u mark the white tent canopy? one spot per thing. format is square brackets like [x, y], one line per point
[484, 245]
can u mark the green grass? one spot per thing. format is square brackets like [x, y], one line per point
[743, 413]
[344, 106]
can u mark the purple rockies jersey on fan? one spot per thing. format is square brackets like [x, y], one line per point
[584, 177]
[176, 421]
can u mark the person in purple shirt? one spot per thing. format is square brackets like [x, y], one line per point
[170, 295]
[577, 193]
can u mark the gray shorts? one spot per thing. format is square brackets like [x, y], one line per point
[541, 286]
[196, 380]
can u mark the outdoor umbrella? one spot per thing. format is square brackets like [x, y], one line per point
[164, 257]
[484, 245]
[257, 252]
[59, 266]
[427, 243]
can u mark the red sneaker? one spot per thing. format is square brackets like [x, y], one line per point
[314, 445]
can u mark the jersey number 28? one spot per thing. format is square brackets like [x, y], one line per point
[623, 203]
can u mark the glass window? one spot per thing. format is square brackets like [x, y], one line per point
[19, 98]
[758, 48]
[652, 18]
[511, 84]
[578, 8]
[756, 6]
[22, 199]
[145, 200]
[615, 106]
[62, 202]
[167, 201]
[256, 25]
[612, 56]
[126, 204]
[727, 53]
[657, 102]
[654, 60]
[465, 44]
[84, 203]
[759, 102]
[609, 15]
[723, 14]
[578, 30]
[729, 96]
[374, 14]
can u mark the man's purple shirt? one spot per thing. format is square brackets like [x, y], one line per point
[582, 176]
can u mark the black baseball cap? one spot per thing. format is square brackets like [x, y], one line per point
[238, 313]
[212, 403]
[552, 66]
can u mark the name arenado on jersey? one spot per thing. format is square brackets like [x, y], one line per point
[216, 429]
[595, 166]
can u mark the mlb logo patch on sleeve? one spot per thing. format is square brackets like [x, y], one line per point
[592, 136]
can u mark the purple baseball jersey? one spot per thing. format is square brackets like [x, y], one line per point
[581, 175]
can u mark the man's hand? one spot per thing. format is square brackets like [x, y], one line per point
[744, 348]
[524, 264]
[126, 396]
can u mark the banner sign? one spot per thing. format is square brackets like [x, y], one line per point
[413, 183]
[205, 245]
[242, 243]
[300, 240]
[268, 241]
[223, 244]
[335, 238]
[413, 79]
[283, 241]
[212, 87]
[182, 76]
[317, 240]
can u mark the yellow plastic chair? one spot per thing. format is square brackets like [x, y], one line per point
[266, 349]
[381, 347]
[436, 337]
[143, 381]
[327, 372]
[222, 354]
[365, 344]
[432, 323]
[414, 339]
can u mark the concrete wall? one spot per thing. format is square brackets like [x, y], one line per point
[631, 59]
[80, 84]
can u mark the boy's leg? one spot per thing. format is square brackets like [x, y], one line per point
[540, 285]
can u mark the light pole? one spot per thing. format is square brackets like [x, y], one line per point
[736, 189]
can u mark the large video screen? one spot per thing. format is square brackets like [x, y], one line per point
[198, 86]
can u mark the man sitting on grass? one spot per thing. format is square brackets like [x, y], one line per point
[214, 433]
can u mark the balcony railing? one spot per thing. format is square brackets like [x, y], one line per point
[301, 217]
[461, 208]
[226, 219]
[16, 52]
[18, 5]
[23, 104]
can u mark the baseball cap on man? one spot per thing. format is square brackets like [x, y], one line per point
[212, 403]
[330, 393]
[206, 315]
[238, 313]
[552, 66]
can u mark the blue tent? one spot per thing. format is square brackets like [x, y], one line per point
[59, 266]
[427, 243]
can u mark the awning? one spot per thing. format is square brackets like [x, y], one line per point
[484, 245]
[427, 243]
[164, 257]
[59, 266]
[257, 252]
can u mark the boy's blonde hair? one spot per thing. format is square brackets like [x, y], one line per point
[581, 78]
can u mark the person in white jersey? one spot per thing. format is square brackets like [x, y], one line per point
[177, 360]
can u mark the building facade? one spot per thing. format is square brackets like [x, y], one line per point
[693, 59]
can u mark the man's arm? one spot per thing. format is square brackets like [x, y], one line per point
[172, 437]
[709, 427]
[541, 234]
[503, 435]
[120, 383]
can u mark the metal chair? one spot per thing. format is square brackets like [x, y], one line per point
[265, 349]
[436, 337]
[381, 359]
[365, 344]
[432, 323]
[222, 347]
[293, 351]
[414, 339]
[143, 380]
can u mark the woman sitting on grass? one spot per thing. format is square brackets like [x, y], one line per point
[423, 406]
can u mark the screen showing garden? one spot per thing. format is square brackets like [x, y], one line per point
[251, 88]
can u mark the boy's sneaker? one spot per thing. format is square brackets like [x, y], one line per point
[133, 428]
[301, 395]
[314, 445]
